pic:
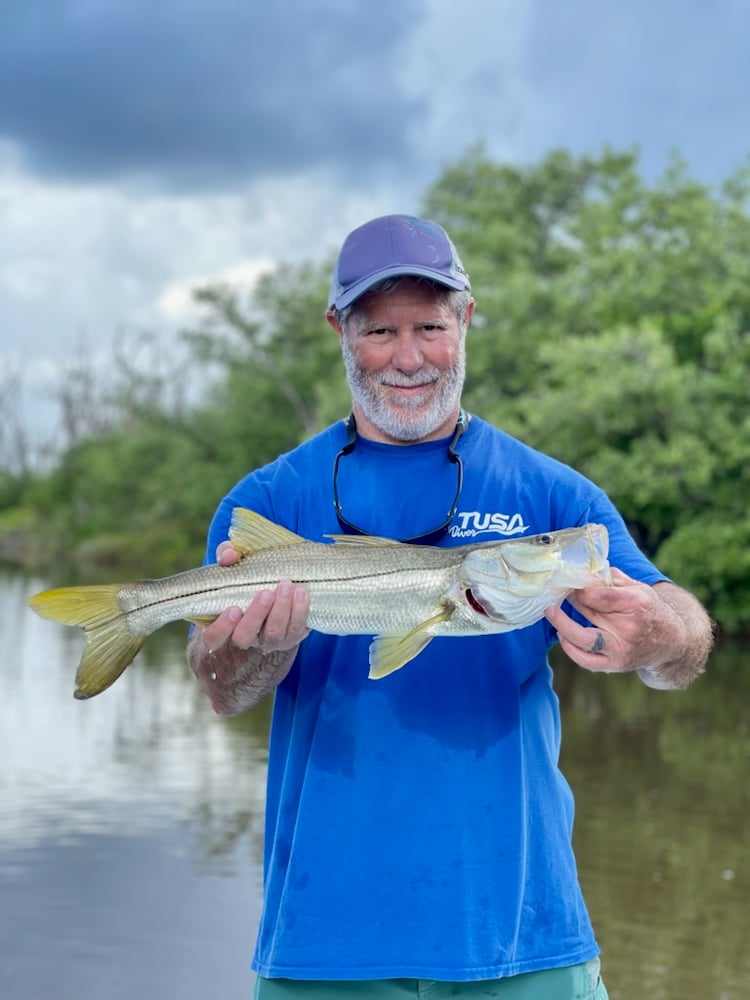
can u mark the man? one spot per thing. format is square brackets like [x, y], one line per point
[418, 830]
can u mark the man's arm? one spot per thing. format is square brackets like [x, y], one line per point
[661, 630]
[240, 658]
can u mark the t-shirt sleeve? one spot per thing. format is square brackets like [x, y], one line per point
[623, 551]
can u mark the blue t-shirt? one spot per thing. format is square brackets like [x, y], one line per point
[419, 826]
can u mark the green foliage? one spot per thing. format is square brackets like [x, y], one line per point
[132, 483]
[612, 331]
[712, 558]
[139, 494]
[280, 373]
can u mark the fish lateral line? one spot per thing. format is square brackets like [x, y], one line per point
[254, 585]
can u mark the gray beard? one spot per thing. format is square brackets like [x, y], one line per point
[401, 421]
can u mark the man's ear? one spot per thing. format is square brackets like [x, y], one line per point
[333, 322]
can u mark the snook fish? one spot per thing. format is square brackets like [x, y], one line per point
[402, 594]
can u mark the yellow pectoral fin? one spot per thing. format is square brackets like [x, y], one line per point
[391, 652]
[197, 620]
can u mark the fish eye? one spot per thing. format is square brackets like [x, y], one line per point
[545, 539]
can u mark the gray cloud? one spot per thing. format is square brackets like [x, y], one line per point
[193, 96]
[664, 77]
[191, 93]
[145, 145]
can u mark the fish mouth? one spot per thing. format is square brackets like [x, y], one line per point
[588, 555]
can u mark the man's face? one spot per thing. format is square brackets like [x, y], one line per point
[405, 361]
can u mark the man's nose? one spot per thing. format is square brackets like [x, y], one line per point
[407, 354]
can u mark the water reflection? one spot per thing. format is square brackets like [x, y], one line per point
[150, 741]
[131, 825]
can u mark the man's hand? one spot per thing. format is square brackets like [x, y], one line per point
[634, 625]
[274, 620]
[239, 658]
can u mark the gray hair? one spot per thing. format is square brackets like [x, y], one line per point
[458, 301]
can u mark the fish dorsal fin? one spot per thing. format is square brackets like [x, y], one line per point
[362, 540]
[251, 532]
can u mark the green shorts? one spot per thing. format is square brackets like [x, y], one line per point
[573, 982]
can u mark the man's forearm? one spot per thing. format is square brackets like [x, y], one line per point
[689, 655]
[236, 679]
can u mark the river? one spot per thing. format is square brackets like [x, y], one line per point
[131, 825]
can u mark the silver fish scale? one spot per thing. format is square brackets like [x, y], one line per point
[354, 588]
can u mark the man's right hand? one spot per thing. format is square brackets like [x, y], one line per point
[238, 658]
[274, 620]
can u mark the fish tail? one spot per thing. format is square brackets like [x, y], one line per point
[110, 646]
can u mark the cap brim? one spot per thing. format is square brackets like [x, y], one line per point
[364, 284]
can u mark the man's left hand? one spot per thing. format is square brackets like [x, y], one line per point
[631, 626]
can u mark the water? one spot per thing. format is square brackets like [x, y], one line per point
[131, 825]
[662, 784]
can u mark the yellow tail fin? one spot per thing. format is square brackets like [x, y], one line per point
[109, 645]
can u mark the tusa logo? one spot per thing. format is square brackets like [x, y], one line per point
[471, 523]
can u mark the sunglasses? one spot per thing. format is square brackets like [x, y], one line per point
[427, 537]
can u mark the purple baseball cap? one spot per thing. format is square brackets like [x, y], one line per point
[388, 247]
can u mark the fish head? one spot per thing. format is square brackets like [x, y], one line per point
[511, 580]
[574, 555]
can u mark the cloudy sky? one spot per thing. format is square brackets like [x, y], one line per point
[149, 146]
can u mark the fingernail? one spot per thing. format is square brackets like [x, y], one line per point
[265, 597]
[285, 588]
